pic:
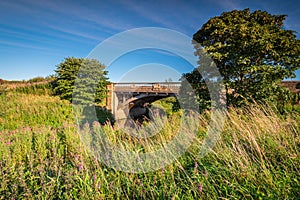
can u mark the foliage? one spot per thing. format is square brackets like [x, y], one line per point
[166, 104]
[257, 157]
[2, 89]
[200, 93]
[36, 79]
[90, 76]
[295, 98]
[252, 51]
[35, 86]
[43, 88]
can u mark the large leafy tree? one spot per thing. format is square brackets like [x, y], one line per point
[89, 76]
[253, 52]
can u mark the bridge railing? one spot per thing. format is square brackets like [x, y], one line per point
[148, 87]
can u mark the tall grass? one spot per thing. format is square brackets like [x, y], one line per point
[20, 110]
[257, 157]
[35, 88]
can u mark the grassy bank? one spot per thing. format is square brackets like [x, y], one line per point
[41, 156]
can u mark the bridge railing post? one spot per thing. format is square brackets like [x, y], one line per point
[109, 97]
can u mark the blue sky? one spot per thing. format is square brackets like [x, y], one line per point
[36, 35]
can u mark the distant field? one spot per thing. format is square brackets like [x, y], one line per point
[41, 156]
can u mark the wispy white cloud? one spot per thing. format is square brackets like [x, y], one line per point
[77, 33]
[60, 15]
[27, 46]
[145, 12]
[25, 35]
[183, 16]
[56, 39]
[165, 14]
[228, 5]
[86, 13]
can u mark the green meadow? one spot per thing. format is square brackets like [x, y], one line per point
[42, 156]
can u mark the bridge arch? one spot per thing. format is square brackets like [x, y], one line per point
[131, 99]
[137, 108]
[144, 98]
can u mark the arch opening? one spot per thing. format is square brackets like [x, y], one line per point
[141, 110]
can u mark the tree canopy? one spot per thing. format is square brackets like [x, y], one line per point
[253, 52]
[89, 75]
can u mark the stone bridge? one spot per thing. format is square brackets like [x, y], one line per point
[293, 86]
[126, 99]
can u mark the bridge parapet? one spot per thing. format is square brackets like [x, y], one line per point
[293, 86]
[162, 87]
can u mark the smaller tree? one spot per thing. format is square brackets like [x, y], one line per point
[89, 76]
[91, 82]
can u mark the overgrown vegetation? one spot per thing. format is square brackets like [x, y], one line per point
[37, 85]
[29, 110]
[42, 157]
